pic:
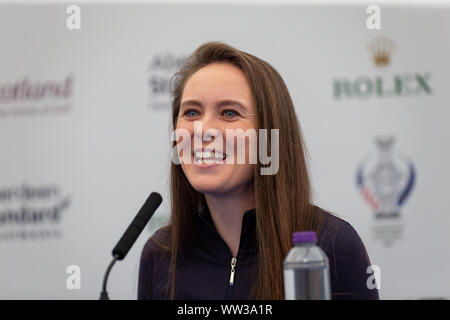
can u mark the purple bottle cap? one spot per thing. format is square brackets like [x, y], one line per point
[304, 237]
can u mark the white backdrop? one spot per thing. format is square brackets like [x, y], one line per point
[84, 131]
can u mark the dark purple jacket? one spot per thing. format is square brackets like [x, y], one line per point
[204, 269]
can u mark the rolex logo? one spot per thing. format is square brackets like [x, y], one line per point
[381, 49]
[382, 84]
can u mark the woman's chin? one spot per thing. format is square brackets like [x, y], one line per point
[208, 187]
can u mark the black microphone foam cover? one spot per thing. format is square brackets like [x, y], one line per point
[137, 225]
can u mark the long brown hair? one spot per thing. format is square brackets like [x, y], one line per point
[282, 201]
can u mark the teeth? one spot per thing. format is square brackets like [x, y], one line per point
[209, 157]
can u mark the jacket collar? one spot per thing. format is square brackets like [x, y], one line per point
[248, 232]
[248, 220]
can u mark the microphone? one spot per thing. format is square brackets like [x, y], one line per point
[131, 234]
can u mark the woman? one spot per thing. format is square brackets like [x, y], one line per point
[231, 226]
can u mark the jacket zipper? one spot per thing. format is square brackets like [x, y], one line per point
[233, 270]
[229, 292]
[233, 266]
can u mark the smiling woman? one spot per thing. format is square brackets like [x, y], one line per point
[231, 226]
[211, 97]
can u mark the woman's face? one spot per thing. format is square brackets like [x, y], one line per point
[218, 97]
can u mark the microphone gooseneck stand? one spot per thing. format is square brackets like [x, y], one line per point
[131, 234]
[104, 293]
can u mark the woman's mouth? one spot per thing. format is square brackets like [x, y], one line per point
[208, 158]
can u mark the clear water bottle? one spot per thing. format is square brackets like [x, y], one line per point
[306, 270]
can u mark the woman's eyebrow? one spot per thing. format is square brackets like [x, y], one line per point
[225, 103]
[191, 103]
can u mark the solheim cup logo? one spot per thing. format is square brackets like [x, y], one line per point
[386, 180]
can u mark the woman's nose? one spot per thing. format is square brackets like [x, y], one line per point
[207, 128]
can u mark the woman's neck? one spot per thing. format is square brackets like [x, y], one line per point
[227, 211]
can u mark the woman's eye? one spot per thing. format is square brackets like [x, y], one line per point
[190, 113]
[230, 113]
